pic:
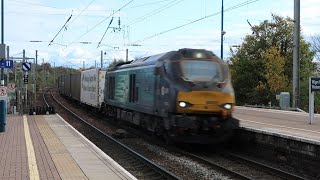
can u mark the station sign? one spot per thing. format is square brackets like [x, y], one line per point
[315, 84]
[6, 64]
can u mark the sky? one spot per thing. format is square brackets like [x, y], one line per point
[147, 27]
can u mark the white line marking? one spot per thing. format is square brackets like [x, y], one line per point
[280, 126]
[238, 108]
[33, 168]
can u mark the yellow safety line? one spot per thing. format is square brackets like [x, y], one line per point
[33, 168]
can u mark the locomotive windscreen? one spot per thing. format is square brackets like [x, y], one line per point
[195, 70]
[191, 53]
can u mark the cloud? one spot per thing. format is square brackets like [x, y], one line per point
[25, 22]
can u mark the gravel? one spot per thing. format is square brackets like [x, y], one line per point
[182, 166]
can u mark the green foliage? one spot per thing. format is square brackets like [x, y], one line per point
[316, 45]
[262, 65]
[276, 80]
[46, 75]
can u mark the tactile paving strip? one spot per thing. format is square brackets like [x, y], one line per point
[67, 167]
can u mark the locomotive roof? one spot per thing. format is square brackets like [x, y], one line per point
[171, 55]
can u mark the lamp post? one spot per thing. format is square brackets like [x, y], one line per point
[222, 31]
[296, 47]
[3, 111]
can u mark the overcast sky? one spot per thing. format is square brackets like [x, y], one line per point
[147, 27]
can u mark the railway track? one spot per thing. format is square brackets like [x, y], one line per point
[138, 165]
[266, 168]
[228, 164]
[241, 167]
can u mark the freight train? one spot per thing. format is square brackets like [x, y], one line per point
[184, 96]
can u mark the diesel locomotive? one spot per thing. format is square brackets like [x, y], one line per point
[184, 96]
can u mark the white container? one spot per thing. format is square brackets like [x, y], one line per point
[92, 87]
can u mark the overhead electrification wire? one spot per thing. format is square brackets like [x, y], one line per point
[49, 14]
[154, 12]
[81, 12]
[16, 54]
[60, 30]
[149, 4]
[101, 22]
[105, 32]
[197, 20]
[34, 4]
[114, 56]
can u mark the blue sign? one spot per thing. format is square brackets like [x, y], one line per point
[315, 84]
[26, 66]
[6, 64]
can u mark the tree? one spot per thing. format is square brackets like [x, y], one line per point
[262, 65]
[274, 66]
[316, 45]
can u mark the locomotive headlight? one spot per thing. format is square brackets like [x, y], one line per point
[227, 106]
[182, 104]
[199, 55]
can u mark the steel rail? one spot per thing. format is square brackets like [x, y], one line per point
[164, 173]
[264, 167]
[218, 167]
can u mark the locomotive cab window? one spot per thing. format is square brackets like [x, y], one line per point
[201, 71]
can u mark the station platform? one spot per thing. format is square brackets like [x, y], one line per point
[47, 147]
[286, 124]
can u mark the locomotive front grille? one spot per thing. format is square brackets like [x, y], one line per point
[206, 102]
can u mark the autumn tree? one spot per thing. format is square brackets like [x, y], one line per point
[274, 69]
[262, 66]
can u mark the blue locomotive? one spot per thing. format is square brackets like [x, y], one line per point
[185, 95]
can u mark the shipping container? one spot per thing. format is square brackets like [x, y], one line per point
[67, 85]
[59, 84]
[62, 84]
[92, 87]
[75, 86]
